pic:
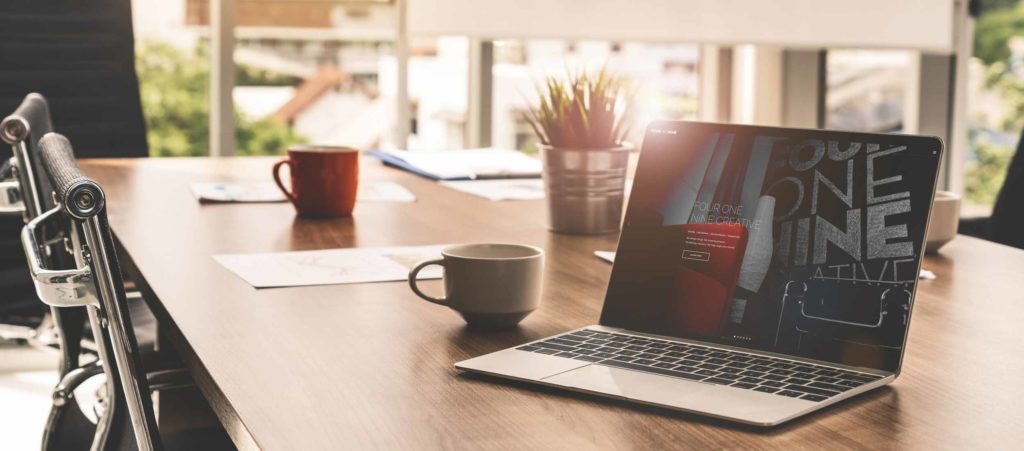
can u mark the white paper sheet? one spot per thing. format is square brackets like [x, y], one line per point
[331, 266]
[228, 192]
[608, 256]
[243, 192]
[502, 189]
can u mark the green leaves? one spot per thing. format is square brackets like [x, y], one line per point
[175, 91]
[582, 112]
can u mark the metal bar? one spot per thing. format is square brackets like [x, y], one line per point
[138, 409]
[67, 385]
[169, 379]
[222, 77]
[26, 177]
[105, 422]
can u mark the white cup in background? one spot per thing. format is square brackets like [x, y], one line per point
[944, 220]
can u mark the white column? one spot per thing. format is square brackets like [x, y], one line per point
[402, 107]
[803, 89]
[222, 77]
[757, 85]
[928, 108]
[715, 93]
[956, 149]
[481, 93]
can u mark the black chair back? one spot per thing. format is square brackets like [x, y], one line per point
[1006, 225]
[81, 55]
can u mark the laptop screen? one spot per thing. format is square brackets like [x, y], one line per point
[799, 242]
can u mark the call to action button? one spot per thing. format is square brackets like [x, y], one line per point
[696, 255]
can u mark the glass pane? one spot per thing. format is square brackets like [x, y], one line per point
[174, 79]
[866, 90]
[309, 72]
[995, 102]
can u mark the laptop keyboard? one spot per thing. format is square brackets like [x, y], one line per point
[701, 363]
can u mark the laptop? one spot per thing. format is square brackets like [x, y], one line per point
[761, 274]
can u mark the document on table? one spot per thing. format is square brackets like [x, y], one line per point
[255, 192]
[467, 164]
[331, 266]
[229, 192]
[506, 189]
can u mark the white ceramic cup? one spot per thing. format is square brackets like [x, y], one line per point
[944, 221]
[490, 285]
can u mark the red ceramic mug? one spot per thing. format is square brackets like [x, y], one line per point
[324, 180]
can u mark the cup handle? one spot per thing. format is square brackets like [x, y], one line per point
[415, 289]
[277, 178]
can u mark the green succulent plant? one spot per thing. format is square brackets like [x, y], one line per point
[583, 111]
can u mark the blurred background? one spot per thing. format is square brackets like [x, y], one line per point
[325, 72]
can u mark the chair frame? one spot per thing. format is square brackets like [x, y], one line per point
[94, 283]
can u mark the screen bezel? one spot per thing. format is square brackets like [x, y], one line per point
[914, 143]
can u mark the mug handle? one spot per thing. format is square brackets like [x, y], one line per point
[277, 178]
[415, 289]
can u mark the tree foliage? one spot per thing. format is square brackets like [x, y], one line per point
[1000, 20]
[986, 174]
[175, 89]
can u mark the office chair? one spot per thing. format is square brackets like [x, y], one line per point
[1006, 225]
[21, 314]
[94, 281]
[22, 130]
[63, 329]
[81, 54]
[838, 315]
[28, 195]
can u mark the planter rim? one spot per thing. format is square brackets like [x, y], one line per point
[625, 146]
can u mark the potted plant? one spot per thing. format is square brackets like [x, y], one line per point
[582, 124]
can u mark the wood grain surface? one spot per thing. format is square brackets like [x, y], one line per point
[370, 365]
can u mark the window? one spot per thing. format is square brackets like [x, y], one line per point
[665, 76]
[305, 72]
[866, 90]
[995, 101]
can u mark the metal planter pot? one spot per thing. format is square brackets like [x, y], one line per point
[585, 188]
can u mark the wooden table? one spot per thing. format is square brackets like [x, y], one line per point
[360, 366]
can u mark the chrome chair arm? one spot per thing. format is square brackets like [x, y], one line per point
[56, 287]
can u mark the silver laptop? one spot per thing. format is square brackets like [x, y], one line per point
[761, 274]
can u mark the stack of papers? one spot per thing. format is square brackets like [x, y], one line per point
[468, 164]
[331, 266]
[251, 192]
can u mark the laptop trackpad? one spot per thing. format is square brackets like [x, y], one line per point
[630, 384]
[727, 402]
